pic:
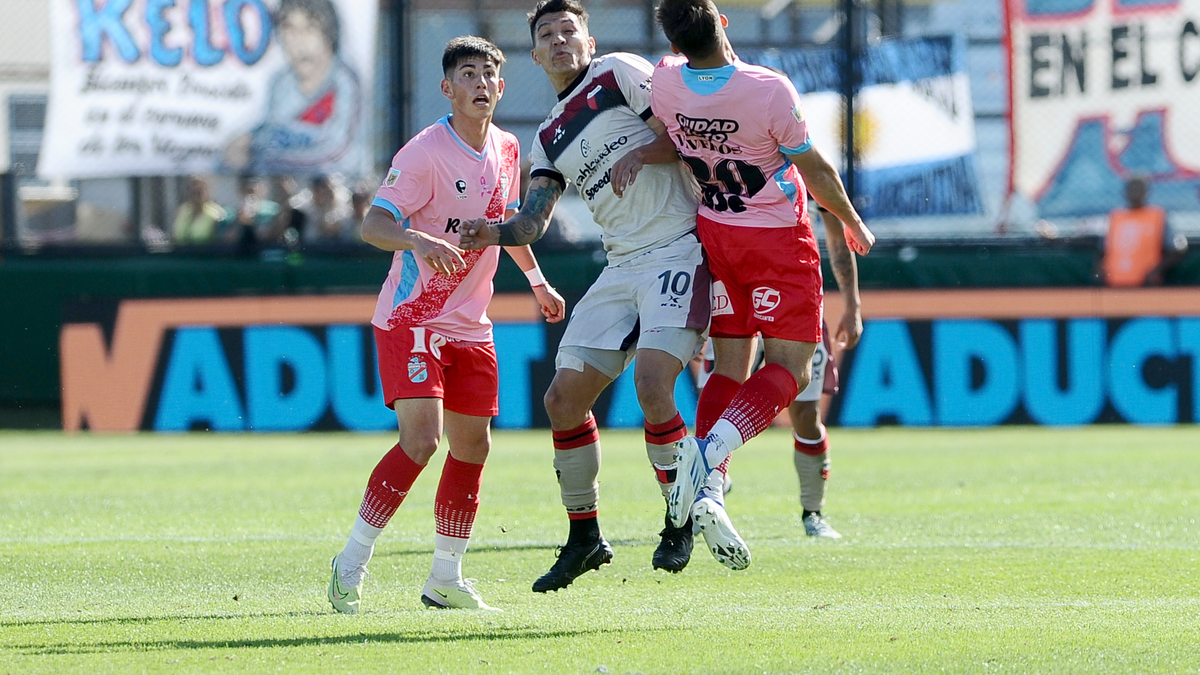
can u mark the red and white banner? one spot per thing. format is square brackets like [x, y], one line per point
[1102, 90]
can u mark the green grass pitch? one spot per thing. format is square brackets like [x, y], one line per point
[1001, 550]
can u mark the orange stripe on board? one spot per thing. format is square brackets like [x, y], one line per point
[108, 387]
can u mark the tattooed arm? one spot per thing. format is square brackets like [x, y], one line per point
[526, 227]
[845, 272]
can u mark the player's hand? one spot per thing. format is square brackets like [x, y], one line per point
[444, 257]
[625, 171]
[849, 330]
[476, 234]
[859, 238]
[554, 308]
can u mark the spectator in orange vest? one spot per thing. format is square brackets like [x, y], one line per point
[1140, 247]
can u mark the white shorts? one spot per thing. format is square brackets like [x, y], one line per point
[658, 300]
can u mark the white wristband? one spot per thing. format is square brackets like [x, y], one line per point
[535, 277]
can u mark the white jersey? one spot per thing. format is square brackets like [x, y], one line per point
[597, 120]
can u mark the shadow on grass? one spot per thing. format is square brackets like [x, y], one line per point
[135, 620]
[504, 548]
[357, 638]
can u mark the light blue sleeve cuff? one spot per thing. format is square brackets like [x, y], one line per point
[389, 207]
[805, 147]
[515, 206]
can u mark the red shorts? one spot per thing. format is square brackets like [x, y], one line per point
[415, 362]
[765, 280]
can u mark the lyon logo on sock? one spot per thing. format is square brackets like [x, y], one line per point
[418, 372]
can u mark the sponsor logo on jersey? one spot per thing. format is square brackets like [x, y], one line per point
[593, 165]
[798, 113]
[392, 177]
[599, 185]
[765, 300]
[709, 134]
[720, 299]
[418, 372]
[584, 147]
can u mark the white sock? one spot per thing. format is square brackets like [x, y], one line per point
[811, 470]
[357, 553]
[447, 557]
[723, 439]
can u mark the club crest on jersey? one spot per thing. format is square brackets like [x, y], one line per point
[392, 177]
[765, 300]
[460, 185]
[591, 97]
[418, 372]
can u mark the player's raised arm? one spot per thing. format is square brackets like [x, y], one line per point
[526, 227]
[381, 230]
[659, 151]
[823, 181]
[845, 272]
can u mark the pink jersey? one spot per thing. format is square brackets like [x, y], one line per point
[732, 126]
[437, 182]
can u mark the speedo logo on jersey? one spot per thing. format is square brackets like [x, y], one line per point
[592, 165]
[708, 134]
[599, 185]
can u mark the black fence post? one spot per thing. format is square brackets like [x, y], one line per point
[849, 85]
[8, 210]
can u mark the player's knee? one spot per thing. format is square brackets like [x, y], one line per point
[419, 444]
[562, 405]
[654, 391]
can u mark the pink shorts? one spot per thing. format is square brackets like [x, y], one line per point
[415, 362]
[765, 280]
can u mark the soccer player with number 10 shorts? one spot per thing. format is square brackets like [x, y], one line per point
[437, 362]
[753, 163]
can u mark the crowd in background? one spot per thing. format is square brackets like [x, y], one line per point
[274, 211]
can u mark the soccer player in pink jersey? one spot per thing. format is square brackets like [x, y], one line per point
[753, 164]
[437, 362]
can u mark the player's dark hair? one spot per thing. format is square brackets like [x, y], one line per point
[469, 47]
[693, 26]
[545, 7]
[322, 11]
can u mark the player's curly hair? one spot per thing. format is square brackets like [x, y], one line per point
[322, 11]
[693, 26]
[468, 47]
[545, 7]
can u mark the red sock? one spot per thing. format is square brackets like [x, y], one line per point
[584, 434]
[457, 499]
[760, 399]
[714, 399]
[387, 487]
[814, 449]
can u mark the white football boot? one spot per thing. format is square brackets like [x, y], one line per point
[344, 594]
[720, 536]
[816, 526]
[457, 594]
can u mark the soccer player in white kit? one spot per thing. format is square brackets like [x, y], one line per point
[437, 362]
[652, 297]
